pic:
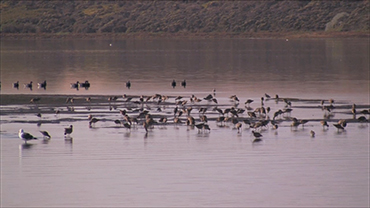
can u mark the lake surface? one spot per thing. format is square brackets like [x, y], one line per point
[176, 165]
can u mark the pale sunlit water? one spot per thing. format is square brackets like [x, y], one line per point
[174, 165]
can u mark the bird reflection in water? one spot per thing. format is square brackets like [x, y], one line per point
[46, 140]
[68, 140]
[127, 134]
[24, 148]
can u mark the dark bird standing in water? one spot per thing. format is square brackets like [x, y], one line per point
[339, 126]
[85, 84]
[92, 120]
[173, 83]
[128, 84]
[324, 123]
[183, 83]
[68, 130]
[29, 85]
[238, 126]
[16, 85]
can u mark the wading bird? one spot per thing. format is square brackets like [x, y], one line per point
[45, 134]
[25, 136]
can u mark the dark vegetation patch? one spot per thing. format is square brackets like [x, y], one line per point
[187, 17]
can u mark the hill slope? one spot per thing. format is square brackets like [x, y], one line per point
[187, 16]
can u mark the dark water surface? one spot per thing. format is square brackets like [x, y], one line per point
[295, 68]
[175, 165]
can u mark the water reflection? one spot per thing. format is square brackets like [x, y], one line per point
[318, 66]
[25, 146]
[127, 134]
[68, 140]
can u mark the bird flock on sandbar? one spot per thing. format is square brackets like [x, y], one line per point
[146, 112]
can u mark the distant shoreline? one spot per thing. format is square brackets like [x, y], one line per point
[251, 35]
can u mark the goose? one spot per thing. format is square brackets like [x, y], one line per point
[183, 83]
[28, 85]
[68, 130]
[16, 85]
[42, 85]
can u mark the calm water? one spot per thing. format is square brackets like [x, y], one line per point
[175, 165]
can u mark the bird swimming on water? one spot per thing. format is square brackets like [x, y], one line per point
[85, 84]
[173, 84]
[16, 85]
[25, 136]
[75, 85]
[28, 85]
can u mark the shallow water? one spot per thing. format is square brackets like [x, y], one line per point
[314, 68]
[174, 165]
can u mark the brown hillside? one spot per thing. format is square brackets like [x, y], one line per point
[182, 17]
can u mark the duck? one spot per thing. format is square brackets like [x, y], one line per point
[16, 85]
[42, 85]
[68, 130]
[85, 84]
[28, 85]
[75, 85]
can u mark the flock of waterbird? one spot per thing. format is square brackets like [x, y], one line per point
[77, 85]
[147, 111]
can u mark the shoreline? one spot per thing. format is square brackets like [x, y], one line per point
[48, 99]
[250, 35]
